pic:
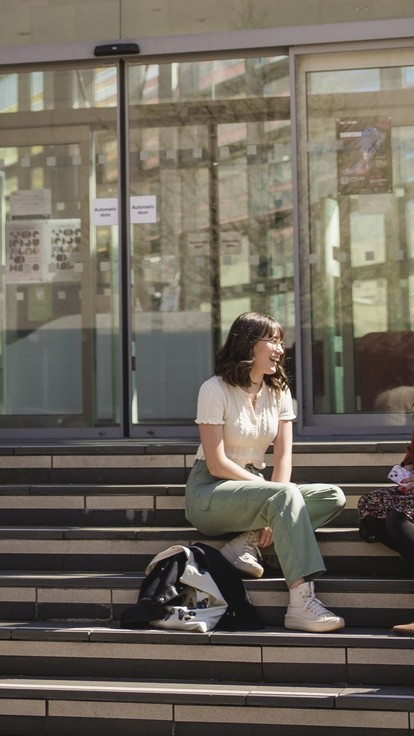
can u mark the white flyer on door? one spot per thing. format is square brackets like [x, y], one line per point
[143, 209]
[105, 211]
[64, 249]
[25, 251]
[31, 203]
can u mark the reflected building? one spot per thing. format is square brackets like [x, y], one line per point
[148, 199]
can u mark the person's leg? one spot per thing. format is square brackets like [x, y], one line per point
[323, 502]
[218, 507]
[400, 535]
[372, 529]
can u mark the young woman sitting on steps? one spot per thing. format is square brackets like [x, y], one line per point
[242, 409]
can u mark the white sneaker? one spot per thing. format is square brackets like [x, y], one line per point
[306, 613]
[242, 552]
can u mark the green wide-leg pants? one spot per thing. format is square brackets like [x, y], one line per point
[293, 512]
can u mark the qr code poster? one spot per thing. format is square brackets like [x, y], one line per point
[25, 252]
[63, 243]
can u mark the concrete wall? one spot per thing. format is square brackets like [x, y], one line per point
[37, 22]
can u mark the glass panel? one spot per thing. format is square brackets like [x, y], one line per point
[59, 306]
[70, 89]
[255, 208]
[360, 146]
[211, 218]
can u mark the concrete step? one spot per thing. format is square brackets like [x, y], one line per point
[118, 505]
[92, 505]
[79, 525]
[101, 597]
[81, 521]
[106, 707]
[140, 462]
[351, 657]
[130, 549]
[103, 549]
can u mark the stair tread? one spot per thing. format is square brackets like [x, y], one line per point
[276, 636]
[248, 694]
[144, 530]
[177, 444]
[128, 488]
[50, 489]
[275, 582]
[176, 535]
[78, 561]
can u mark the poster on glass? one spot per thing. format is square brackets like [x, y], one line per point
[364, 157]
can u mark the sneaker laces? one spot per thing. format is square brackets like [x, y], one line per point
[315, 606]
[250, 545]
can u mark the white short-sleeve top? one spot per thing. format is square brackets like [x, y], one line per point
[248, 431]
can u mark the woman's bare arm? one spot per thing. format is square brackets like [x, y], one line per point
[282, 453]
[218, 463]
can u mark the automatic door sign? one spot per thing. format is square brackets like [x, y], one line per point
[105, 211]
[143, 209]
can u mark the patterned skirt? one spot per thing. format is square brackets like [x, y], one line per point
[378, 503]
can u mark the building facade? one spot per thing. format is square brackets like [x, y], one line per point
[166, 166]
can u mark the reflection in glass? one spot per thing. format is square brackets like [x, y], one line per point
[211, 142]
[59, 299]
[361, 253]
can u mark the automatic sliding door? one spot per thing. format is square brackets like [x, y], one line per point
[357, 148]
[59, 307]
[211, 221]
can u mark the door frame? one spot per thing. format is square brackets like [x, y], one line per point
[31, 129]
[306, 59]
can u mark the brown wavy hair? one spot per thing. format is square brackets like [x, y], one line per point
[235, 358]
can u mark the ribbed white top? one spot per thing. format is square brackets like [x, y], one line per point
[248, 431]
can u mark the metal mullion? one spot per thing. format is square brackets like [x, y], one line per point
[124, 253]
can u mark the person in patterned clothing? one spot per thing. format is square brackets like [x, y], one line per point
[387, 515]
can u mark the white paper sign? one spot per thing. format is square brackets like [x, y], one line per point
[31, 203]
[63, 245]
[25, 251]
[198, 244]
[143, 209]
[230, 244]
[105, 211]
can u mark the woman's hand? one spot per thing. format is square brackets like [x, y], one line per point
[406, 485]
[266, 537]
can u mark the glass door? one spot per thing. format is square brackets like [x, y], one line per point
[100, 340]
[59, 306]
[356, 153]
[211, 221]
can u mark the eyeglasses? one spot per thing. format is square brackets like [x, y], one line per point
[273, 341]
